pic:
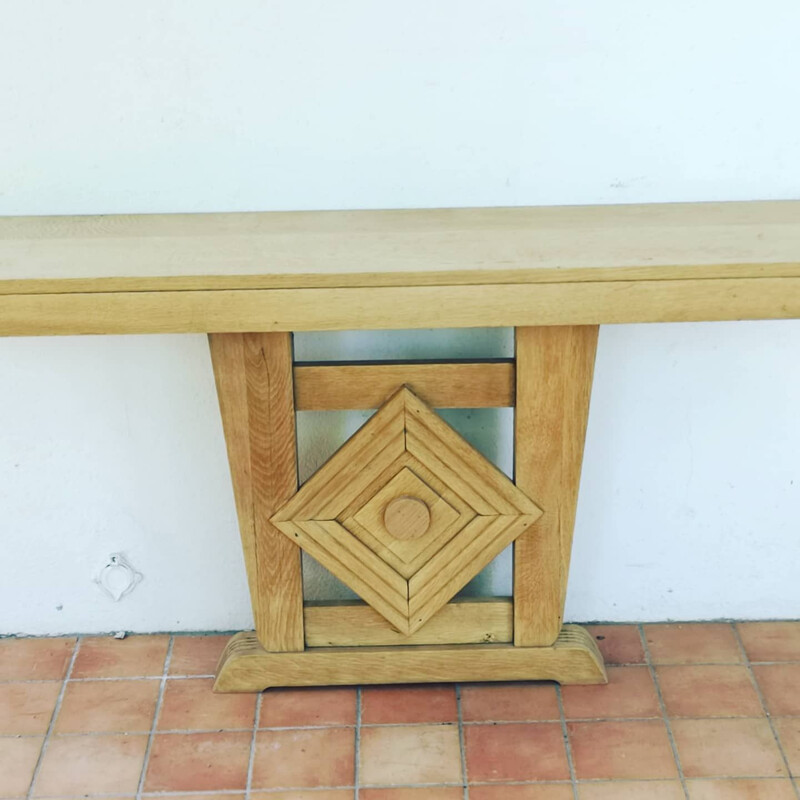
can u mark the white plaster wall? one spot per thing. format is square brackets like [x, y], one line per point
[691, 493]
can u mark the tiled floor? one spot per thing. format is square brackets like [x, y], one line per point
[699, 711]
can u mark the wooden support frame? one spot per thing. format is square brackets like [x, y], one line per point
[554, 382]
[260, 389]
[468, 621]
[246, 667]
[447, 384]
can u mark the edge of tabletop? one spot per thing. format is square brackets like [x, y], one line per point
[400, 279]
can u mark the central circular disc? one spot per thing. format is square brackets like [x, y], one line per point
[407, 517]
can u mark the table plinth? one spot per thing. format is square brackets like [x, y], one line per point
[406, 513]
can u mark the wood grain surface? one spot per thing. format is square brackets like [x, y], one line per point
[254, 386]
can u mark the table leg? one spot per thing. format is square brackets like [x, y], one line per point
[253, 372]
[554, 381]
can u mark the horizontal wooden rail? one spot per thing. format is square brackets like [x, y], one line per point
[459, 622]
[328, 387]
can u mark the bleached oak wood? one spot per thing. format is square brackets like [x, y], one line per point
[360, 248]
[399, 269]
[554, 382]
[351, 468]
[254, 385]
[420, 555]
[572, 659]
[407, 557]
[485, 479]
[357, 566]
[452, 568]
[407, 517]
[418, 306]
[326, 387]
[337, 515]
[412, 493]
[458, 622]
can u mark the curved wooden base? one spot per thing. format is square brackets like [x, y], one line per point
[246, 667]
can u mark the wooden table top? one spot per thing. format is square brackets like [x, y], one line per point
[330, 270]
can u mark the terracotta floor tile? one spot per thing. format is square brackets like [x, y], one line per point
[190, 704]
[316, 794]
[287, 708]
[630, 692]
[619, 644]
[198, 762]
[106, 657]
[531, 791]
[708, 691]
[26, 708]
[727, 748]
[780, 685]
[196, 655]
[397, 704]
[18, 759]
[79, 765]
[304, 758]
[771, 641]
[789, 733]
[515, 752]
[225, 796]
[693, 643]
[742, 789]
[509, 702]
[108, 707]
[631, 790]
[410, 754]
[621, 750]
[35, 659]
[428, 793]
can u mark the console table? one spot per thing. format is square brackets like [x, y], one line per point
[406, 512]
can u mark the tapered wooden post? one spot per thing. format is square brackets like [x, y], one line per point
[554, 380]
[253, 372]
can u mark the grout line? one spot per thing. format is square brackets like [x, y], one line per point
[763, 702]
[142, 678]
[662, 706]
[461, 743]
[314, 789]
[159, 702]
[256, 720]
[449, 785]
[357, 746]
[466, 724]
[212, 792]
[98, 678]
[554, 721]
[53, 717]
[211, 675]
[567, 744]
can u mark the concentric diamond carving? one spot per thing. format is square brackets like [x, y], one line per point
[360, 514]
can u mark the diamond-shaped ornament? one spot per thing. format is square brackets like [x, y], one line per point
[406, 512]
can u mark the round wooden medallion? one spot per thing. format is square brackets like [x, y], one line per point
[407, 517]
